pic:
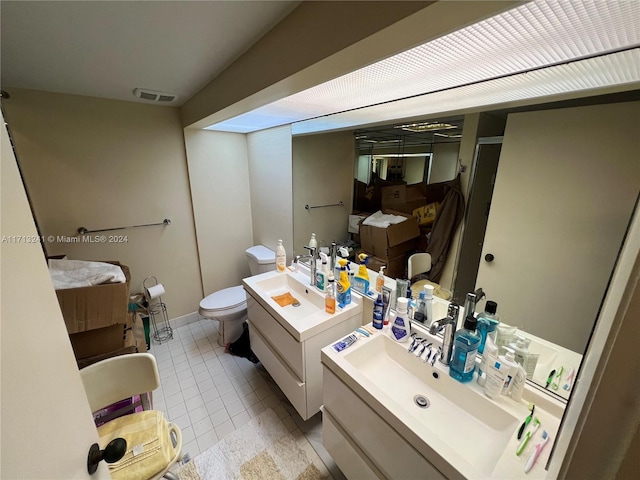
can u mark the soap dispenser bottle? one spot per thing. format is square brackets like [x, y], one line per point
[400, 325]
[281, 257]
[465, 348]
[330, 297]
[380, 280]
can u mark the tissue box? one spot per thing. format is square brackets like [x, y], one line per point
[391, 242]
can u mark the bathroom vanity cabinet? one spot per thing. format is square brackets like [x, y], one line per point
[362, 443]
[288, 343]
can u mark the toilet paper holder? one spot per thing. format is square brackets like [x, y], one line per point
[153, 291]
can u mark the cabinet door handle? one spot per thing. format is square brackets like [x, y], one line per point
[489, 257]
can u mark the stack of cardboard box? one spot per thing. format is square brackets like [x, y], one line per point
[98, 321]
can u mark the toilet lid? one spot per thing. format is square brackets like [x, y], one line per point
[261, 254]
[226, 299]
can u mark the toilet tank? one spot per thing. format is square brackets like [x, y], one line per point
[261, 259]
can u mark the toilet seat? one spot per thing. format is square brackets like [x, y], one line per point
[224, 302]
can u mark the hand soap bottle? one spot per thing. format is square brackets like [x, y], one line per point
[330, 297]
[281, 257]
[400, 325]
[361, 280]
[380, 280]
[465, 348]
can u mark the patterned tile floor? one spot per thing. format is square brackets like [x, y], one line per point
[209, 394]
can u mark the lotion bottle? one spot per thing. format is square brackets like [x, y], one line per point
[281, 257]
[400, 325]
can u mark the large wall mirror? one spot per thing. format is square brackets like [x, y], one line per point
[559, 212]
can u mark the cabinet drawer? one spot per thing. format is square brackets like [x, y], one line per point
[383, 446]
[293, 388]
[275, 335]
[346, 455]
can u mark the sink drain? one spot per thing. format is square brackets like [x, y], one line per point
[421, 401]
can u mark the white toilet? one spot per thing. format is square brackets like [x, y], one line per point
[229, 306]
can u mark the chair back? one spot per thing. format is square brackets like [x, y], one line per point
[117, 378]
[418, 263]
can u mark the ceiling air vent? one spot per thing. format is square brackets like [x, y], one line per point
[154, 95]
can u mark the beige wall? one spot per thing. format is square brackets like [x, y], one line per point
[445, 161]
[219, 178]
[269, 153]
[44, 406]
[323, 167]
[102, 163]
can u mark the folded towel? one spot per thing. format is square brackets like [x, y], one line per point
[383, 220]
[79, 273]
[285, 299]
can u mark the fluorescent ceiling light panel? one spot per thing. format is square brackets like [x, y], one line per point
[619, 69]
[425, 126]
[529, 37]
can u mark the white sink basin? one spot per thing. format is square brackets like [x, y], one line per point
[305, 317]
[464, 420]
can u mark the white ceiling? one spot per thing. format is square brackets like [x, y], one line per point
[106, 49]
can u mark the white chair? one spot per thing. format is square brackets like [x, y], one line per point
[418, 263]
[117, 378]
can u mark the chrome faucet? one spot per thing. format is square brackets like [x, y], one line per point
[449, 325]
[312, 257]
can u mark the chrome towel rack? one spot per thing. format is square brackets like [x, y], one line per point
[83, 231]
[339, 204]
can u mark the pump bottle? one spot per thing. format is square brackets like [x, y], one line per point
[380, 280]
[281, 257]
[330, 297]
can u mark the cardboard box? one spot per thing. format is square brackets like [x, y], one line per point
[98, 344]
[394, 197]
[390, 242]
[87, 308]
[395, 267]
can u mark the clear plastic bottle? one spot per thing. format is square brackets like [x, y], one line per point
[418, 314]
[465, 348]
[428, 305]
[488, 324]
[330, 297]
[281, 257]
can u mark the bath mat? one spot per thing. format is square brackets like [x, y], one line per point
[262, 449]
[285, 299]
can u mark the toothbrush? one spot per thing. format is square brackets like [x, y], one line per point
[536, 453]
[556, 380]
[526, 421]
[567, 386]
[528, 435]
